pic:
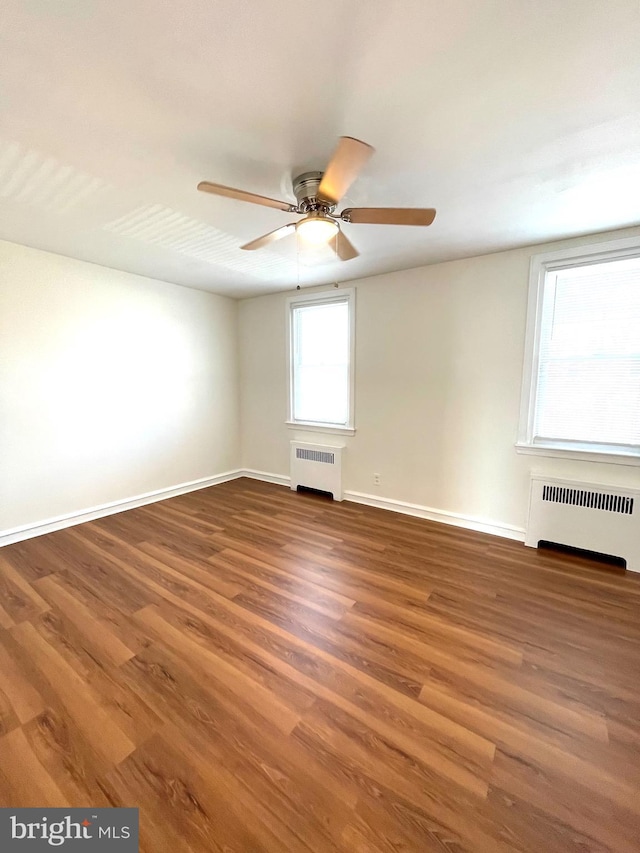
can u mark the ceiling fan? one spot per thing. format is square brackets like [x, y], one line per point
[318, 194]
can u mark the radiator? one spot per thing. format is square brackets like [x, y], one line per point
[317, 466]
[591, 516]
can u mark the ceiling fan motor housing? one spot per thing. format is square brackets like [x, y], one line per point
[305, 188]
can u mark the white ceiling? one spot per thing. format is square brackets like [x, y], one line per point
[518, 120]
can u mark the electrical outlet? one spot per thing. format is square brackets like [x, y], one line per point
[376, 479]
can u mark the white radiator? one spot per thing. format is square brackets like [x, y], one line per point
[591, 516]
[317, 466]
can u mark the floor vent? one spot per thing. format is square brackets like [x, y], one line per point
[316, 466]
[594, 500]
[607, 559]
[588, 516]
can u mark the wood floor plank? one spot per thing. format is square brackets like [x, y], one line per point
[5, 620]
[32, 558]
[260, 670]
[388, 779]
[325, 573]
[232, 677]
[74, 694]
[95, 568]
[274, 787]
[68, 757]
[198, 570]
[23, 697]
[224, 644]
[106, 645]
[545, 795]
[19, 599]
[297, 590]
[355, 683]
[8, 718]
[23, 780]
[429, 748]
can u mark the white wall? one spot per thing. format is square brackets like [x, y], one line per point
[439, 354]
[111, 385]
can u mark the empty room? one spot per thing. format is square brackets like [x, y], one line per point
[320, 426]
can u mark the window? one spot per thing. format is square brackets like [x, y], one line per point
[321, 344]
[581, 388]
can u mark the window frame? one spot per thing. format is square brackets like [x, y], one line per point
[343, 294]
[542, 264]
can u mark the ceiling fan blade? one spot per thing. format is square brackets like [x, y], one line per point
[344, 167]
[241, 195]
[343, 247]
[389, 215]
[271, 237]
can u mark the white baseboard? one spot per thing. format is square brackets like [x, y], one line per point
[469, 522]
[28, 531]
[506, 531]
[265, 476]
[17, 534]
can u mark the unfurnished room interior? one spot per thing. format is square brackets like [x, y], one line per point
[320, 426]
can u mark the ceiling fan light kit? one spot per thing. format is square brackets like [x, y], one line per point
[318, 194]
[317, 228]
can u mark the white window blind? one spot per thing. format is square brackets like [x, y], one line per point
[588, 376]
[321, 362]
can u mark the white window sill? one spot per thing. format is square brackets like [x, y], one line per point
[609, 457]
[311, 427]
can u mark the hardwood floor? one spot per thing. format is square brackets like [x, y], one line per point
[264, 671]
